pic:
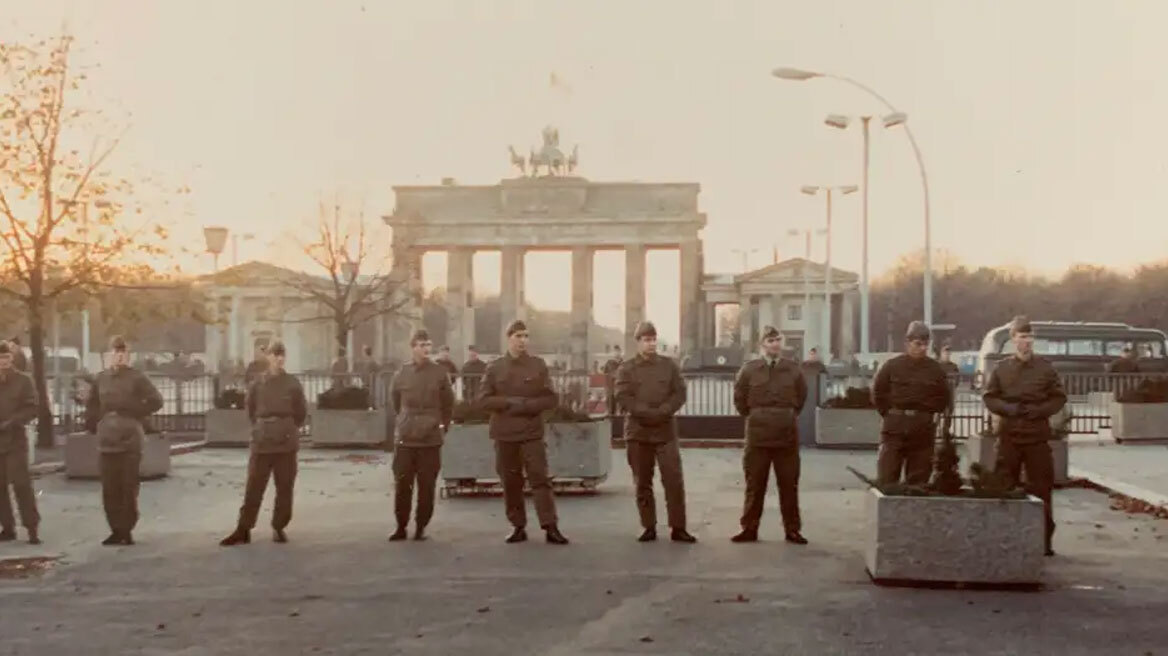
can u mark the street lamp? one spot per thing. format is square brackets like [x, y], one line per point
[235, 246]
[806, 313]
[893, 119]
[216, 238]
[841, 122]
[812, 190]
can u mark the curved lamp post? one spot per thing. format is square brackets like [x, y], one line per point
[894, 118]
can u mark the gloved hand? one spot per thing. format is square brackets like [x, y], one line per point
[1012, 409]
[1030, 412]
[516, 405]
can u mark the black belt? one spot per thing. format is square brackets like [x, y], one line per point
[275, 416]
[908, 412]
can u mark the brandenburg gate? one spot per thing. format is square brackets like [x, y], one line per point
[546, 207]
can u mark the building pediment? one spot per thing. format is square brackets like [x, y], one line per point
[794, 270]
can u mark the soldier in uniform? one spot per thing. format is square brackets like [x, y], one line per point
[946, 361]
[1126, 364]
[19, 359]
[119, 403]
[446, 363]
[1025, 391]
[516, 391]
[770, 392]
[908, 391]
[18, 406]
[473, 371]
[277, 409]
[422, 402]
[609, 370]
[256, 367]
[650, 390]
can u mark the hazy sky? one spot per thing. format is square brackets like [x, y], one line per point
[1042, 123]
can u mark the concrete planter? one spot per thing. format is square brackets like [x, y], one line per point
[847, 427]
[83, 460]
[1139, 421]
[227, 428]
[983, 449]
[576, 452]
[953, 539]
[348, 428]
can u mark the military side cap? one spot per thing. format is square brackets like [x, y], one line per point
[769, 332]
[1020, 324]
[645, 329]
[277, 348]
[917, 330]
[516, 326]
[117, 343]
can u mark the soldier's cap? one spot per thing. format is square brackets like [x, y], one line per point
[5, 348]
[1020, 324]
[118, 343]
[277, 348]
[645, 329]
[420, 335]
[516, 326]
[770, 331]
[917, 330]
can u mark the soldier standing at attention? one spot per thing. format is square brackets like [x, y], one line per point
[516, 391]
[473, 371]
[908, 391]
[277, 408]
[422, 402]
[18, 406]
[1025, 391]
[650, 390]
[947, 364]
[770, 392]
[446, 363]
[1126, 364]
[256, 367]
[120, 400]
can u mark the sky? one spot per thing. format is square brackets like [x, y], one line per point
[1040, 123]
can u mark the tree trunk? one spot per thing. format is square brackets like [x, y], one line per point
[36, 343]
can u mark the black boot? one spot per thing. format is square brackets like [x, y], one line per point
[554, 536]
[8, 534]
[238, 536]
[399, 534]
[746, 535]
[113, 540]
[419, 532]
[33, 536]
[127, 539]
[682, 535]
[518, 535]
[278, 535]
[649, 535]
[795, 537]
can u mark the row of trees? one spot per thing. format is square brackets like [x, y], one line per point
[978, 299]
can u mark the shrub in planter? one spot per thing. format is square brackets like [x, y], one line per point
[854, 398]
[231, 398]
[344, 398]
[1152, 390]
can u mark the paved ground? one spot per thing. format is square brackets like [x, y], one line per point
[340, 588]
[1139, 470]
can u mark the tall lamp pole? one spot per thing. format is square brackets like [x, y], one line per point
[894, 118]
[812, 190]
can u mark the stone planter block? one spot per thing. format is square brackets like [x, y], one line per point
[348, 428]
[984, 449]
[1139, 421]
[847, 427]
[83, 460]
[575, 452]
[227, 428]
[954, 539]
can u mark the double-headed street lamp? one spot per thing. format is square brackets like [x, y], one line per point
[893, 118]
[812, 190]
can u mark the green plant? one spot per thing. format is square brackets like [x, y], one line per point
[231, 398]
[857, 398]
[1151, 390]
[344, 398]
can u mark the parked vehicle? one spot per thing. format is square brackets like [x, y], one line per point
[1079, 346]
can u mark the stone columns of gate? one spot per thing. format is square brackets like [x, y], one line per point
[690, 312]
[406, 276]
[634, 293]
[459, 302]
[582, 258]
[511, 295]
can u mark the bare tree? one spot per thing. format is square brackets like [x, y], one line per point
[350, 280]
[54, 245]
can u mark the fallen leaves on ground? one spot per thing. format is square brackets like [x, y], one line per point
[22, 568]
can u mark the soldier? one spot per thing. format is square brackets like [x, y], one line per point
[472, 373]
[256, 367]
[1126, 364]
[19, 359]
[650, 390]
[946, 361]
[277, 408]
[119, 403]
[1025, 391]
[18, 406]
[422, 402]
[609, 370]
[516, 391]
[908, 391]
[770, 392]
[446, 363]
